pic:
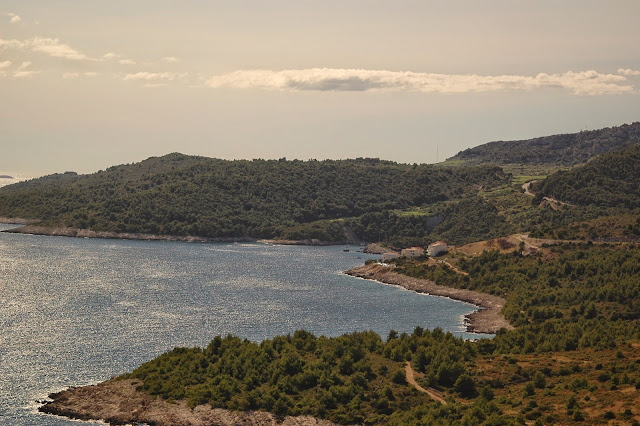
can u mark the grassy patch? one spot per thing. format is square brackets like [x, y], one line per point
[522, 179]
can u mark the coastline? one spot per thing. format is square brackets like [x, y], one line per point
[116, 401]
[487, 320]
[375, 248]
[87, 233]
[17, 221]
[306, 242]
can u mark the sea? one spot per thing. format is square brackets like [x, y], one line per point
[79, 311]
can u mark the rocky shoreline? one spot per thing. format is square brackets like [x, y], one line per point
[117, 402]
[86, 233]
[375, 248]
[488, 319]
[17, 221]
[307, 242]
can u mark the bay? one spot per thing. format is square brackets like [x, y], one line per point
[79, 311]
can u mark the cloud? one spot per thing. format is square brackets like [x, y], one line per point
[5, 64]
[170, 59]
[27, 73]
[22, 70]
[74, 75]
[12, 44]
[13, 18]
[53, 47]
[50, 46]
[152, 76]
[112, 55]
[327, 79]
[586, 83]
[628, 72]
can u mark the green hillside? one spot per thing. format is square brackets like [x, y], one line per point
[183, 195]
[611, 180]
[557, 150]
[572, 353]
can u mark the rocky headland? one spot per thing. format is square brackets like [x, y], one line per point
[117, 402]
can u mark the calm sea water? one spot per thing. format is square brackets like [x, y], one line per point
[79, 311]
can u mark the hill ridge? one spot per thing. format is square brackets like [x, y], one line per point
[567, 149]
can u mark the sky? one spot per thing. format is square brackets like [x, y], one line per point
[88, 85]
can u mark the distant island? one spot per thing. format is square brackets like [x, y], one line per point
[6, 177]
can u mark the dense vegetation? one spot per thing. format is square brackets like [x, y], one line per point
[619, 227]
[458, 222]
[353, 378]
[575, 296]
[565, 150]
[182, 195]
[567, 299]
[611, 180]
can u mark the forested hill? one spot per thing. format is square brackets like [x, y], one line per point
[612, 180]
[558, 150]
[184, 195]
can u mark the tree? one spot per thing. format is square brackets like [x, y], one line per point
[539, 380]
[465, 386]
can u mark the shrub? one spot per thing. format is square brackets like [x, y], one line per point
[399, 377]
[539, 381]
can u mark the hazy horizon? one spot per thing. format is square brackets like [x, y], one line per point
[26, 176]
[85, 86]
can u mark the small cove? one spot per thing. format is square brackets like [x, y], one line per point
[78, 311]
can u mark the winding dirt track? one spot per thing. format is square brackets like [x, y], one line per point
[410, 379]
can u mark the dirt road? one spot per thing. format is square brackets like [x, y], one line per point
[412, 381]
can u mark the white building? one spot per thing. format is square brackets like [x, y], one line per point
[412, 252]
[390, 255]
[436, 248]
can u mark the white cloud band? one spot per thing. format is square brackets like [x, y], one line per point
[327, 79]
[50, 46]
[628, 72]
[151, 76]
